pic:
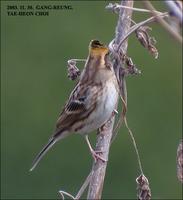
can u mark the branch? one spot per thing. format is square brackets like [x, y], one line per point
[104, 138]
[116, 7]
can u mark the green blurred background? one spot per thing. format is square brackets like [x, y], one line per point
[34, 87]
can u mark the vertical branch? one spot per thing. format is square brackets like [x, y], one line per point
[99, 167]
[104, 138]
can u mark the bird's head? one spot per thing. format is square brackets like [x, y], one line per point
[97, 48]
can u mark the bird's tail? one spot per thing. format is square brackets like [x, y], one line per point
[43, 152]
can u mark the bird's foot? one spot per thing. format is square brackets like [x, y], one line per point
[115, 112]
[96, 156]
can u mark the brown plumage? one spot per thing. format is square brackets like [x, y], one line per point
[92, 101]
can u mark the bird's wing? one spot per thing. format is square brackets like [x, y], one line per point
[73, 109]
[81, 103]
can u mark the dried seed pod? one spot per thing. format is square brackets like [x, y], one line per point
[147, 41]
[144, 191]
[180, 162]
[131, 68]
[73, 71]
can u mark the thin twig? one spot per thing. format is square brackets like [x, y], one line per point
[164, 24]
[135, 145]
[80, 192]
[116, 6]
[84, 186]
[124, 119]
[62, 193]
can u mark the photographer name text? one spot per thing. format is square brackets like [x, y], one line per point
[35, 10]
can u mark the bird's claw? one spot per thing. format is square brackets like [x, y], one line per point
[115, 112]
[96, 156]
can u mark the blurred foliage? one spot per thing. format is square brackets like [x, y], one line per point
[34, 87]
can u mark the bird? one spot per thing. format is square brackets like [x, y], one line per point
[91, 103]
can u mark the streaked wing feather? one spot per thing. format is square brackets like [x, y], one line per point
[74, 107]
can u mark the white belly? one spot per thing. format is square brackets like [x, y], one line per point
[106, 105]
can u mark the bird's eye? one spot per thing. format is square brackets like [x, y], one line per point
[97, 42]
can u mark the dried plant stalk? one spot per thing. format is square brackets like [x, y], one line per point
[104, 138]
[73, 71]
[144, 191]
[163, 23]
[180, 162]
